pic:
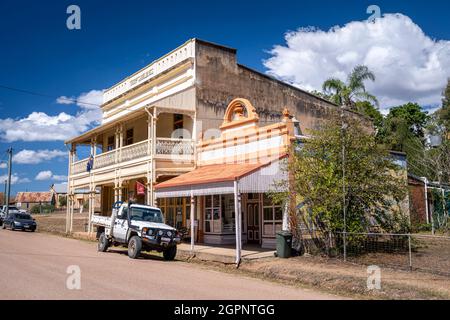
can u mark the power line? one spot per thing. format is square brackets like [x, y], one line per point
[34, 93]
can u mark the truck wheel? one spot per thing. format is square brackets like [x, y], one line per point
[170, 253]
[134, 247]
[103, 243]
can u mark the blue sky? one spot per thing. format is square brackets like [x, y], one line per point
[38, 53]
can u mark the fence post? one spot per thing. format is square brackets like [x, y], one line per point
[410, 255]
[345, 246]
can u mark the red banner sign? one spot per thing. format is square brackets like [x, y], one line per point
[140, 188]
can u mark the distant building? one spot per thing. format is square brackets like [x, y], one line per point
[422, 202]
[27, 200]
[81, 197]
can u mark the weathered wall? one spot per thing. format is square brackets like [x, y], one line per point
[417, 201]
[220, 79]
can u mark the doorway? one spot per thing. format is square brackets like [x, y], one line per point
[253, 232]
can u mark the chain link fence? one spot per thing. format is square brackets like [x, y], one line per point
[415, 252]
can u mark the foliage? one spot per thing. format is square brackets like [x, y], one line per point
[372, 185]
[43, 208]
[347, 94]
[369, 110]
[411, 115]
[62, 201]
[444, 112]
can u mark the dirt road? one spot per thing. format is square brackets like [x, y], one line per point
[34, 266]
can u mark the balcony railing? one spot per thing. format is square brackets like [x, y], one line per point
[105, 159]
[135, 151]
[164, 147]
[79, 166]
[170, 146]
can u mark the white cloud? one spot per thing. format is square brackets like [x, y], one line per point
[37, 156]
[408, 64]
[44, 175]
[39, 126]
[15, 179]
[3, 165]
[48, 175]
[87, 100]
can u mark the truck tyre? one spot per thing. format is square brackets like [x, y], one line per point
[103, 243]
[170, 253]
[134, 247]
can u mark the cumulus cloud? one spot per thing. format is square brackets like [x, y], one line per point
[15, 179]
[37, 156]
[87, 100]
[408, 64]
[48, 175]
[39, 126]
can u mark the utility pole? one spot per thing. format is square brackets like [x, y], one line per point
[4, 194]
[344, 201]
[8, 188]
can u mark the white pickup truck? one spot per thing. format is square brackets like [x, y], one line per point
[138, 227]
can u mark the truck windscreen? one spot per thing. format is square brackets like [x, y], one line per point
[144, 214]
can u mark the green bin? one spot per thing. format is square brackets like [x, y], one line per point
[284, 244]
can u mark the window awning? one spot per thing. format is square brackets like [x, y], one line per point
[219, 179]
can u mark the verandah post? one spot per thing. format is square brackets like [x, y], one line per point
[192, 216]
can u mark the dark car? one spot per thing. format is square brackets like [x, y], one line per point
[20, 221]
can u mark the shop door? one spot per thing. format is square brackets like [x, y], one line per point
[253, 232]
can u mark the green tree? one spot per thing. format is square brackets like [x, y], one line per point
[373, 190]
[410, 115]
[444, 112]
[347, 94]
[369, 110]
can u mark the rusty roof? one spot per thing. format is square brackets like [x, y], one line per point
[215, 173]
[34, 197]
[210, 174]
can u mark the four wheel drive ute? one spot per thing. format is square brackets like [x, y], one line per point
[138, 227]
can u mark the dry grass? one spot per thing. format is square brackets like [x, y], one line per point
[56, 222]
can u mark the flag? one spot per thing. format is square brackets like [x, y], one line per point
[90, 164]
[140, 188]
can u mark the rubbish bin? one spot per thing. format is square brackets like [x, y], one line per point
[284, 244]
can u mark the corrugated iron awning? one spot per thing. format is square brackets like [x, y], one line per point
[219, 179]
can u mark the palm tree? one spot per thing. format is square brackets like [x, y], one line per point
[347, 94]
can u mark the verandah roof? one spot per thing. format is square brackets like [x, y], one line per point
[219, 179]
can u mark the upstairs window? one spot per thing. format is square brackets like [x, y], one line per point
[177, 121]
[110, 143]
[129, 137]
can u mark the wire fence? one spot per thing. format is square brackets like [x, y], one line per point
[415, 252]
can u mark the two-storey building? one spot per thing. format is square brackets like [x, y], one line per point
[153, 120]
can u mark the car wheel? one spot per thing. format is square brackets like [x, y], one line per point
[103, 243]
[134, 247]
[170, 253]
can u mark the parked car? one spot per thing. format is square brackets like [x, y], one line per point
[20, 221]
[12, 209]
[138, 227]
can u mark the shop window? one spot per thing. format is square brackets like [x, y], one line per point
[129, 137]
[110, 143]
[212, 214]
[273, 217]
[227, 206]
[173, 210]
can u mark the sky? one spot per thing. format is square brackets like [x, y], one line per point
[301, 42]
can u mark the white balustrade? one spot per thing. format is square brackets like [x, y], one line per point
[105, 159]
[164, 146]
[170, 146]
[79, 166]
[135, 151]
